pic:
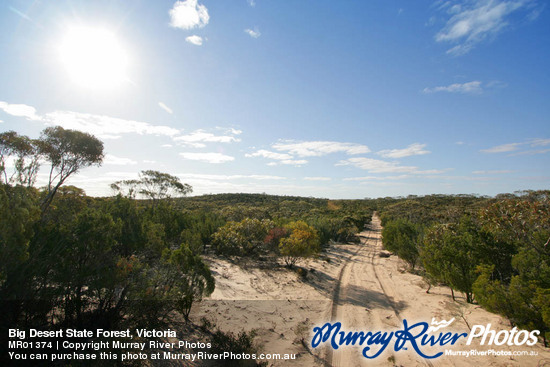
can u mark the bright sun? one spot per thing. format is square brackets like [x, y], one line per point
[93, 57]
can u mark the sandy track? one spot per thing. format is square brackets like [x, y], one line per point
[364, 300]
[352, 284]
[376, 293]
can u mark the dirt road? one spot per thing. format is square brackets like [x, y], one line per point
[366, 299]
[352, 284]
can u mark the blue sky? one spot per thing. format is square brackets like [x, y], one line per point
[346, 99]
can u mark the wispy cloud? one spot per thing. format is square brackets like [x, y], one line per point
[413, 149]
[492, 172]
[105, 127]
[514, 147]
[432, 171]
[381, 166]
[319, 148]
[165, 108]
[317, 178]
[473, 87]
[252, 3]
[229, 177]
[19, 110]
[268, 154]
[207, 157]
[117, 161]
[195, 40]
[254, 33]
[531, 152]
[504, 148]
[291, 150]
[199, 137]
[376, 178]
[376, 165]
[188, 14]
[230, 130]
[290, 162]
[539, 142]
[20, 13]
[473, 21]
[280, 158]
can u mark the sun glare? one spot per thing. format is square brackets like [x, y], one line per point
[93, 57]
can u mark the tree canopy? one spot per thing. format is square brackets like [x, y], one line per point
[67, 151]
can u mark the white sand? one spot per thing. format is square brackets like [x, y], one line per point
[355, 286]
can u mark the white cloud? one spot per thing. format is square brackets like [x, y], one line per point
[235, 131]
[188, 14]
[376, 178]
[376, 165]
[255, 33]
[19, 110]
[270, 155]
[513, 147]
[413, 149]
[320, 148]
[199, 137]
[281, 158]
[195, 40]
[531, 152]
[148, 161]
[432, 171]
[539, 142]
[491, 172]
[117, 161]
[166, 146]
[317, 178]
[165, 108]
[473, 87]
[471, 22]
[207, 157]
[504, 148]
[292, 162]
[252, 3]
[229, 177]
[306, 149]
[105, 127]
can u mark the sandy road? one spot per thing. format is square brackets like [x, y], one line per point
[351, 284]
[366, 300]
[376, 294]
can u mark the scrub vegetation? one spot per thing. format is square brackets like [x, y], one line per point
[135, 259]
[68, 260]
[494, 250]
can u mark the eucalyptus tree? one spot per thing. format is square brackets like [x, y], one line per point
[67, 151]
[26, 158]
[153, 185]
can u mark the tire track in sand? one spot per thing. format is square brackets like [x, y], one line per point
[361, 301]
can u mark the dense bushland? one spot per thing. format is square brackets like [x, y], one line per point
[72, 261]
[494, 250]
[132, 260]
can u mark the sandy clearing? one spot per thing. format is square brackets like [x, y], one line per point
[349, 283]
